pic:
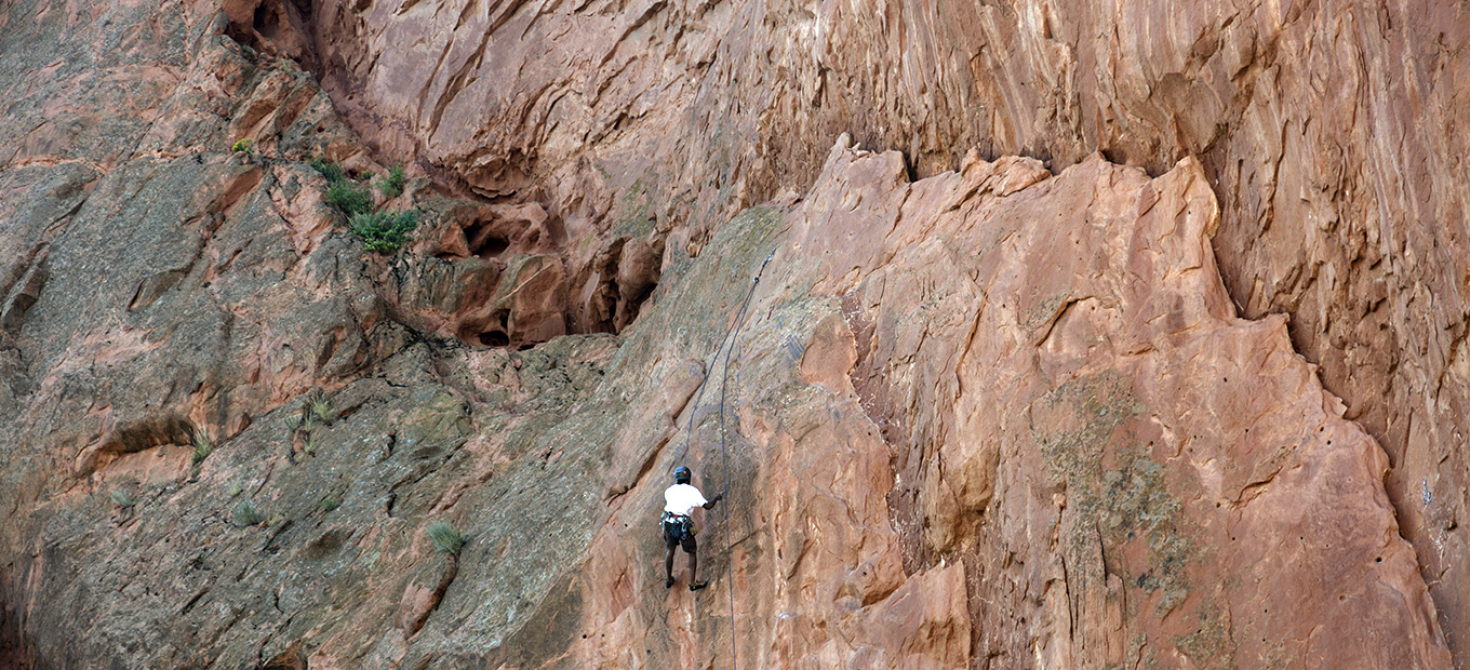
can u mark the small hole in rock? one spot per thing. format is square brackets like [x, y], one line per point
[483, 241]
[266, 21]
[492, 247]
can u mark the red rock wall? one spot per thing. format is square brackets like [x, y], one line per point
[1066, 423]
[1327, 130]
[973, 419]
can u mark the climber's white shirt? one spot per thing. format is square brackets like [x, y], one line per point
[681, 499]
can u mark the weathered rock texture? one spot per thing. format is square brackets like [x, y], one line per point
[1007, 415]
[1331, 132]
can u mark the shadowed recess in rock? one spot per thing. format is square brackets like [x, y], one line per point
[507, 279]
[279, 27]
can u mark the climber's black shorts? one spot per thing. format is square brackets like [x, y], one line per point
[679, 530]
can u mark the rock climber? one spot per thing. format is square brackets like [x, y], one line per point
[679, 501]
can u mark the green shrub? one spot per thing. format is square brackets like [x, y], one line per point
[246, 145]
[246, 514]
[332, 171]
[329, 503]
[321, 408]
[349, 197]
[292, 421]
[392, 185]
[384, 232]
[203, 447]
[445, 537]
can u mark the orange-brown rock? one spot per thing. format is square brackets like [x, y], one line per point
[1007, 415]
[1066, 424]
[1329, 132]
[1184, 468]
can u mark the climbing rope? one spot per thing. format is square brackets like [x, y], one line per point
[733, 330]
[725, 465]
[732, 335]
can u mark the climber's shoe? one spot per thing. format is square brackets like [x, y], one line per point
[695, 586]
[669, 583]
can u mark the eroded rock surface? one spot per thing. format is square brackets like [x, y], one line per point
[1003, 416]
[1330, 132]
[1067, 423]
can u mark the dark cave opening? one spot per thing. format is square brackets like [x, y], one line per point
[494, 338]
[483, 241]
[267, 21]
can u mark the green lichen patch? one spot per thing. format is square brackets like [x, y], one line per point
[636, 217]
[436, 422]
[715, 284]
[1209, 643]
[757, 225]
[1041, 312]
[1118, 495]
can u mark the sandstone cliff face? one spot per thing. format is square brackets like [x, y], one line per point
[1001, 416]
[1328, 132]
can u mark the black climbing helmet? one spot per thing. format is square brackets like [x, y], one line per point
[682, 475]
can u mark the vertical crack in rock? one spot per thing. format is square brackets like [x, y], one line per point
[16, 653]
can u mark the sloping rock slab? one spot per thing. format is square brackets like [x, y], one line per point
[1024, 428]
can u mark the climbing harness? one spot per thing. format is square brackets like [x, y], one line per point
[732, 335]
[677, 526]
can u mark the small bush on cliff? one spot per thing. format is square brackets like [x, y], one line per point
[203, 447]
[349, 197]
[332, 171]
[392, 185]
[246, 514]
[321, 408]
[246, 145]
[445, 537]
[384, 232]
